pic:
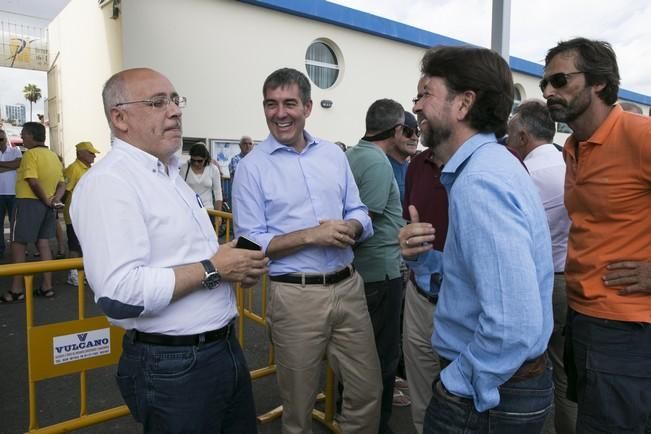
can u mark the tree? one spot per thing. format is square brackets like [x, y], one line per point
[32, 94]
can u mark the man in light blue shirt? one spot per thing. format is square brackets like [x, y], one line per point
[296, 197]
[494, 314]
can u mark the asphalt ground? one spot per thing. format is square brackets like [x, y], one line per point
[58, 398]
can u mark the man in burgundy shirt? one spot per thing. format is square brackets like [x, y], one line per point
[428, 198]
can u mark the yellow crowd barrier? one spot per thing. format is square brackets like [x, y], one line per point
[77, 346]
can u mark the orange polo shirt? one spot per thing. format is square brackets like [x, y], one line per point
[608, 198]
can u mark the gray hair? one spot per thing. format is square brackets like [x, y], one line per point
[384, 114]
[533, 116]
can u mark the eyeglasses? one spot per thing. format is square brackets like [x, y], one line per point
[159, 102]
[557, 80]
[197, 160]
[409, 132]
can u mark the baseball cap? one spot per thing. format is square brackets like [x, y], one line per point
[410, 120]
[86, 146]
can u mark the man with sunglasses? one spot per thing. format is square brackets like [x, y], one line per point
[493, 316]
[406, 146]
[608, 268]
[378, 258]
[153, 261]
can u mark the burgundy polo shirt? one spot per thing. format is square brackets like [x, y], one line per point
[424, 190]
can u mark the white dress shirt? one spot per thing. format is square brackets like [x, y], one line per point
[136, 220]
[8, 178]
[547, 169]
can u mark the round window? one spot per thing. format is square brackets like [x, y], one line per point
[321, 64]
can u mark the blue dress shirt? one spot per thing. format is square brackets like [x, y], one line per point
[279, 190]
[495, 309]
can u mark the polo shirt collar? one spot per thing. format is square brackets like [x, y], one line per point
[271, 145]
[600, 136]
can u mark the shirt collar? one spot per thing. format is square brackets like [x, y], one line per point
[271, 145]
[547, 148]
[466, 150]
[600, 136]
[144, 159]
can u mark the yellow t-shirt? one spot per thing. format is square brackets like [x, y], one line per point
[42, 164]
[73, 174]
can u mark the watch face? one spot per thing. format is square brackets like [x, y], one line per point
[212, 280]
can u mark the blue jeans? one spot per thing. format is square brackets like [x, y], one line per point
[523, 408]
[612, 362]
[6, 208]
[199, 389]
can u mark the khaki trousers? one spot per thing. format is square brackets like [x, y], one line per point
[421, 363]
[310, 321]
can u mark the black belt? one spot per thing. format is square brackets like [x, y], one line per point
[315, 279]
[181, 340]
[432, 298]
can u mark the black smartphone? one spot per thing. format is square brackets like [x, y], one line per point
[245, 243]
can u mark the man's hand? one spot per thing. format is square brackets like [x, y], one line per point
[416, 237]
[240, 265]
[335, 233]
[634, 276]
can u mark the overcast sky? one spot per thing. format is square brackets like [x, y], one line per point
[536, 26]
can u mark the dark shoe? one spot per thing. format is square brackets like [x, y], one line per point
[47, 293]
[12, 297]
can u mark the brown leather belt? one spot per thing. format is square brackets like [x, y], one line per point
[529, 369]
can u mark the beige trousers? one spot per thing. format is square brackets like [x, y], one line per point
[310, 321]
[421, 363]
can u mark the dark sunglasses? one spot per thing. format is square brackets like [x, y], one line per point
[409, 132]
[197, 161]
[557, 80]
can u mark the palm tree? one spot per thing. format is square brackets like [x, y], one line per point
[32, 94]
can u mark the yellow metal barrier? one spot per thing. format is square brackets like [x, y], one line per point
[51, 350]
[63, 348]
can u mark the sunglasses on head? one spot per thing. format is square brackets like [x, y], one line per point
[557, 80]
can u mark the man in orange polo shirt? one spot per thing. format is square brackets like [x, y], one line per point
[608, 270]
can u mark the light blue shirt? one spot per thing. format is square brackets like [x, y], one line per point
[423, 267]
[495, 309]
[279, 190]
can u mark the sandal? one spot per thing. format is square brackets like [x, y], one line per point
[12, 297]
[47, 293]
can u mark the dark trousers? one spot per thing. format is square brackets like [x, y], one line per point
[384, 304]
[612, 362]
[199, 389]
[523, 408]
[6, 208]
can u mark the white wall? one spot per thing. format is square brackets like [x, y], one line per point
[85, 49]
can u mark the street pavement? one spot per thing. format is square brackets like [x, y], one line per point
[58, 399]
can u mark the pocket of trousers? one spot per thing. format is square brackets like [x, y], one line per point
[127, 384]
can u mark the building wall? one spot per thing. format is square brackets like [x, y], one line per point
[85, 49]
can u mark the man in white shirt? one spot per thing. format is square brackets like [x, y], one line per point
[531, 133]
[155, 266]
[9, 162]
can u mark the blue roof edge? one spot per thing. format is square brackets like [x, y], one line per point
[332, 13]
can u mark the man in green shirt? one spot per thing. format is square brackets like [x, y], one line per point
[378, 258]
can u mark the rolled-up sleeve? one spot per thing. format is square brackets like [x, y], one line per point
[248, 207]
[108, 219]
[354, 209]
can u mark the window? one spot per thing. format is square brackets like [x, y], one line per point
[518, 91]
[321, 64]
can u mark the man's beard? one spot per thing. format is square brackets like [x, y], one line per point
[432, 138]
[562, 111]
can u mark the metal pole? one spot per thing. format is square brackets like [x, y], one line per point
[501, 28]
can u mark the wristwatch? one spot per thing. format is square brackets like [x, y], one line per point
[212, 278]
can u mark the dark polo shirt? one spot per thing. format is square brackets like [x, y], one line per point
[424, 190]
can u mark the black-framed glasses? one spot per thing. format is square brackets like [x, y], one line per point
[420, 96]
[557, 80]
[159, 102]
[197, 160]
[409, 132]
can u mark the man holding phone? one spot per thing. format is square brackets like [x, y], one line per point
[296, 197]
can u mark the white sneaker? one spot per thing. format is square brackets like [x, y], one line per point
[72, 278]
